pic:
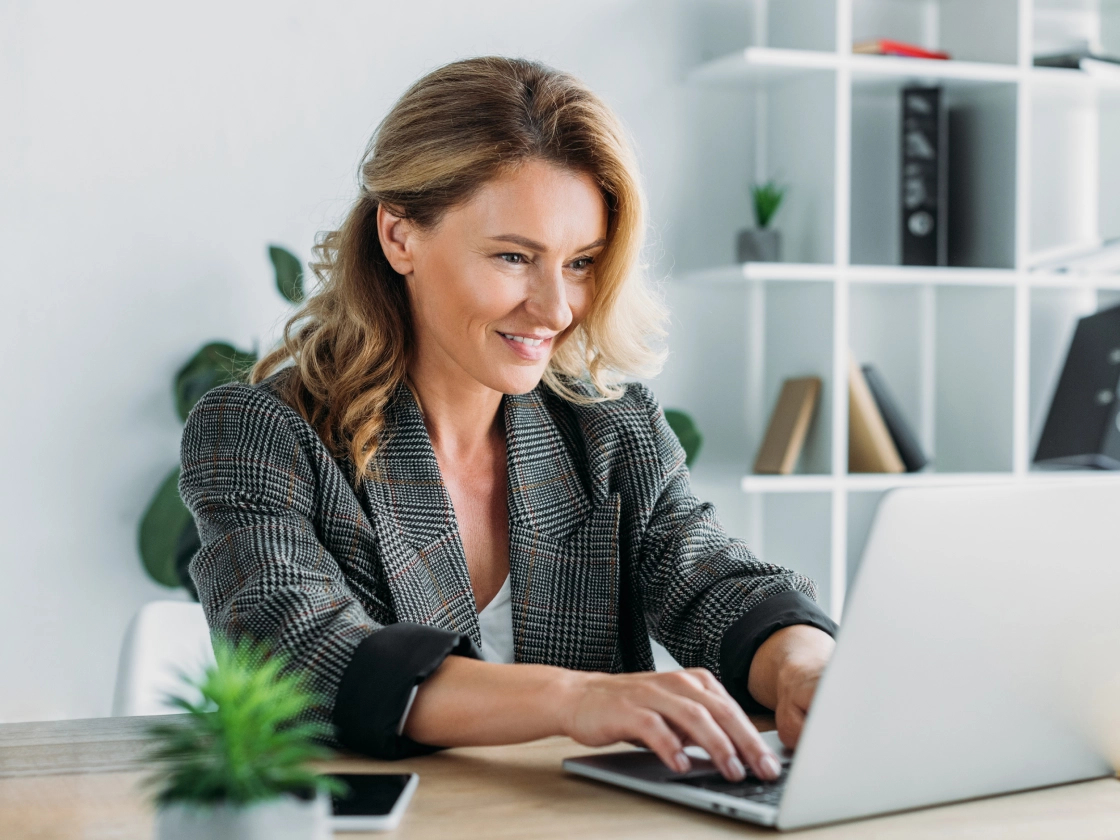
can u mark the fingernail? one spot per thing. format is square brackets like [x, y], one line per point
[681, 762]
[735, 769]
[771, 767]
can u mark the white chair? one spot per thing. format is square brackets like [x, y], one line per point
[164, 637]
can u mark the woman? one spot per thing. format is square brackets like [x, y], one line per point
[437, 498]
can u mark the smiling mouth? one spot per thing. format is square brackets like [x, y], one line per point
[529, 342]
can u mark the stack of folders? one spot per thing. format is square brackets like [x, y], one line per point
[879, 438]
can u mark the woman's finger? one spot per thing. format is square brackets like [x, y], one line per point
[696, 722]
[651, 730]
[704, 688]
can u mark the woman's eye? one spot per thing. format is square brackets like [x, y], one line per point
[513, 259]
[583, 263]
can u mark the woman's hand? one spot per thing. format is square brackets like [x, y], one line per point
[784, 675]
[666, 712]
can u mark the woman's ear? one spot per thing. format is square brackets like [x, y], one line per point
[398, 238]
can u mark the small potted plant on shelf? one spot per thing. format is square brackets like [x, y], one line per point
[237, 765]
[763, 244]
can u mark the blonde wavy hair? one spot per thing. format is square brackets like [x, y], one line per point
[460, 126]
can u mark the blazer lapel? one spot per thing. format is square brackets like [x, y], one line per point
[415, 522]
[563, 551]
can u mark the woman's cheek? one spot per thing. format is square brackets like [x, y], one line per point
[580, 301]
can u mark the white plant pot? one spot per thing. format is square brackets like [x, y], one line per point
[285, 818]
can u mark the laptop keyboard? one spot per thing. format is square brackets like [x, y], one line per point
[752, 788]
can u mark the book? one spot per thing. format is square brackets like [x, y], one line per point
[870, 447]
[924, 178]
[905, 441]
[789, 424]
[885, 46]
[1083, 425]
[1073, 59]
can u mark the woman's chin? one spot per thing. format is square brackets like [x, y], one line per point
[514, 379]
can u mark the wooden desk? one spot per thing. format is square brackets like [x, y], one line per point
[79, 779]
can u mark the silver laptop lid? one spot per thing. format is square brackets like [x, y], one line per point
[979, 653]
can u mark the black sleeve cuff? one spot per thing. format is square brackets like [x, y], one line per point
[377, 684]
[743, 639]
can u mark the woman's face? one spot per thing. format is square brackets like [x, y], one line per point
[503, 278]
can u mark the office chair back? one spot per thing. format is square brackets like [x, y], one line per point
[164, 637]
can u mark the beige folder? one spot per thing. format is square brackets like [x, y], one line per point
[789, 424]
[870, 447]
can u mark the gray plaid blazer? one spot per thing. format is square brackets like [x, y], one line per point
[368, 590]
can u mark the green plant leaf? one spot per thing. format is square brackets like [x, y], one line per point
[289, 273]
[767, 199]
[186, 546]
[687, 433]
[214, 364]
[160, 527]
[243, 741]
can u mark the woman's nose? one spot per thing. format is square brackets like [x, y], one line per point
[548, 299]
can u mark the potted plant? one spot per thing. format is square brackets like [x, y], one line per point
[236, 766]
[167, 537]
[763, 244]
[684, 427]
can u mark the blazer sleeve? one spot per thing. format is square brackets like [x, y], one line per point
[252, 476]
[707, 598]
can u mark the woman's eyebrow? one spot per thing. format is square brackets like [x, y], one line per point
[525, 242]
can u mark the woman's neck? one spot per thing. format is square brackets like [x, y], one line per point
[462, 417]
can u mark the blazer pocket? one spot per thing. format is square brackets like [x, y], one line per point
[565, 593]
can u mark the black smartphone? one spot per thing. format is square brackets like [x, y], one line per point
[375, 801]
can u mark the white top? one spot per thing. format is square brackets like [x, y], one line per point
[496, 623]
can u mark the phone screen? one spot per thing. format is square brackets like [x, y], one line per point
[371, 795]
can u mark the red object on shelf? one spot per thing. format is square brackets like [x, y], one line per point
[885, 46]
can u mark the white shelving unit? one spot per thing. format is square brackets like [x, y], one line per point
[972, 351]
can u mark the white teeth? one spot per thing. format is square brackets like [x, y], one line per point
[532, 342]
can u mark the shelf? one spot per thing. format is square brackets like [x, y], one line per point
[1076, 476]
[971, 351]
[764, 65]
[932, 275]
[802, 272]
[1074, 279]
[1083, 85]
[788, 483]
[866, 482]
[901, 274]
[879, 482]
[871, 68]
[761, 271]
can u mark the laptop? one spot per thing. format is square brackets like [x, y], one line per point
[979, 655]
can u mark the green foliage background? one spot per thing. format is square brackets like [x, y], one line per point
[687, 433]
[167, 537]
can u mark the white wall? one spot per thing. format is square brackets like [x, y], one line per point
[149, 152]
